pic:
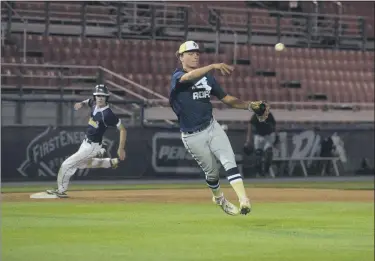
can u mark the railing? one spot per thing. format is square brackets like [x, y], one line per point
[219, 24]
[60, 80]
[236, 23]
[124, 18]
[133, 107]
[2, 34]
[42, 110]
[282, 115]
[57, 111]
[294, 105]
[63, 75]
[53, 13]
[132, 88]
[21, 80]
[62, 72]
[284, 24]
[148, 94]
[173, 21]
[11, 13]
[141, 17]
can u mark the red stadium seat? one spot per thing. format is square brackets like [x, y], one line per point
[338, 73]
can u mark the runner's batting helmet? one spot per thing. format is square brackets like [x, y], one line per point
[101, 90]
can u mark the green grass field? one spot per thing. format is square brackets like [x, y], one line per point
[295, 231]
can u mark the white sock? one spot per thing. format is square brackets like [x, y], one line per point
[238, 186]
[96, 163]
[215, 188]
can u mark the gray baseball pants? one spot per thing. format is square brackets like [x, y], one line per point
[209, 148]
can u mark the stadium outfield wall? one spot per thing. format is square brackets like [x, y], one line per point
[35, 153]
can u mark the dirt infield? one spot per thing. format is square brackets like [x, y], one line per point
[204, 195]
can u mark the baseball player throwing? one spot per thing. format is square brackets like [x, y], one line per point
[203, 137]
[87, 156]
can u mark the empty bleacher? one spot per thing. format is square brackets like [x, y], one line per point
[343, 75]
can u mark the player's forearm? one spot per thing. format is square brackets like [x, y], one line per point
[85, 102]
[197, 73]
[123, 135]
[243, 105]
[236, 103]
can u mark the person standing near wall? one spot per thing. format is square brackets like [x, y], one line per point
[264, 138]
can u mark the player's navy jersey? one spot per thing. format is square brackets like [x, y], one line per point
[100, 120]
[263, 128]
[191, 100]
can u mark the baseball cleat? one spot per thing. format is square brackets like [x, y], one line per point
[226, 206]
[57, 193]
[245, 206]
[114, 163]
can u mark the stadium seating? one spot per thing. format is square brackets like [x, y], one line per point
[262, 22]
[344, 76]
[360, 8]
[69, 11]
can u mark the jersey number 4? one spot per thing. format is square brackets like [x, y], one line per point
[203, 84]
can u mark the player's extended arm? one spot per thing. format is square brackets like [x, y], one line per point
[121, 146]
[236, 103]
[200, 72]
[260, 108]
[79, 105]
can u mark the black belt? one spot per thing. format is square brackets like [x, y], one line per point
[202, 128]
[90, 141]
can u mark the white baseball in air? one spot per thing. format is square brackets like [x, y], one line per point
[279, 47]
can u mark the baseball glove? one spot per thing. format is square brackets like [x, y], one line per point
[261, 109]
